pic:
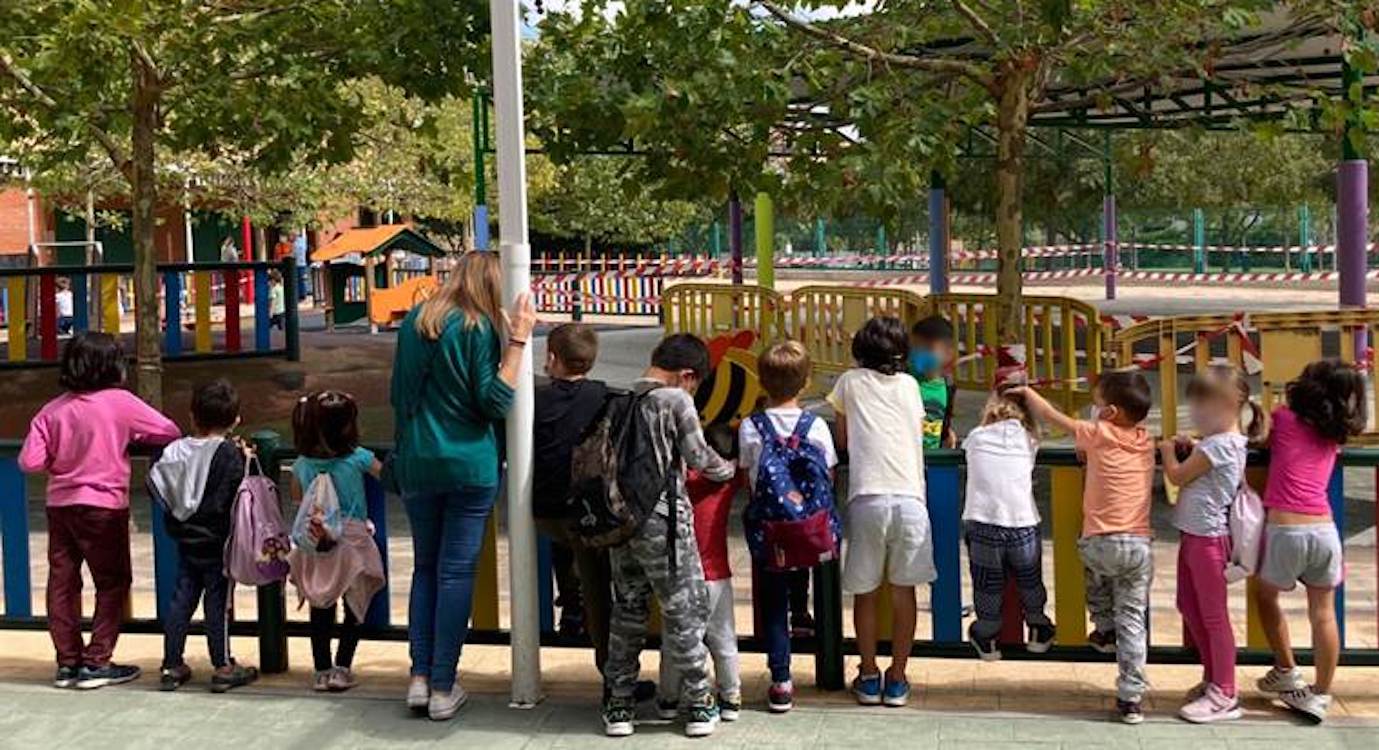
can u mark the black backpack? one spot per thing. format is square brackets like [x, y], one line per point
[616, 479]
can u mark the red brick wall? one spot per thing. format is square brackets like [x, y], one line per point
[14, 221]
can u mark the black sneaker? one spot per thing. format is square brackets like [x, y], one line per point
[729, 707]
[1130, 711]
[701, 718]
[802, 625]
[90, 678]
[1040, 639]
[66, 677]
[235, 676]
[618, 717]
[987, 648]
[1105, 642]
[171, 678]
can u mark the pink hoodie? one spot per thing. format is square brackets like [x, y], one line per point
[80, 439]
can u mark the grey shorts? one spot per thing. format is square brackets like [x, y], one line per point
[1310, 553]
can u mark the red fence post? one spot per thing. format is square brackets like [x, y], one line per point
[47, 316]
[231, 278]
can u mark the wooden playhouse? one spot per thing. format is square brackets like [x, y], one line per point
[378, 273]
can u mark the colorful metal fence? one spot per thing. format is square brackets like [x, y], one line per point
[202, 299]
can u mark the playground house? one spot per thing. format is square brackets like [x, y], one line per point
[378, 272]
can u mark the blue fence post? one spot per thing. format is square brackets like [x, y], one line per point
[1335, 491]
[14, 538]
[380, 611]
[946, 524]
[81, 304]
[262, 314]
[166, 560]
[172, 311]
[545, 586]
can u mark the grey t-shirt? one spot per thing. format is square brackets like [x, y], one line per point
[1204, 503]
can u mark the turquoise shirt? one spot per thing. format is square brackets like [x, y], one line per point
[347, 472]
[445, 420]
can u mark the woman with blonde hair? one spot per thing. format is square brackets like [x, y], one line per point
[453, 378]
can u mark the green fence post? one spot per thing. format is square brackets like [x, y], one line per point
[828, 627]
[1199, 241]
[272, 601]
[291, 318]
[764, 224]
[1305, 237]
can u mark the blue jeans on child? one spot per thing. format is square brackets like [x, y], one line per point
[775, 619]
[447, 534]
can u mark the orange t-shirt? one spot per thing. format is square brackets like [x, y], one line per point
[1120, 478]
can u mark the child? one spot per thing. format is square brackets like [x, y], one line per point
[886, 524]
[80, 439]
[784, 371]
[196, 481]
[325, 431]
[1209, 479]
[931, 349]
[1325, 408]
[1002, 525]
[642, 566]
[1115, 545]
[277, 307]
[713, 503]
[65, 308]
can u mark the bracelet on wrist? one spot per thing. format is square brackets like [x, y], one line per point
[512, 341]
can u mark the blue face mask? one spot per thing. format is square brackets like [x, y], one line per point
[923, 361]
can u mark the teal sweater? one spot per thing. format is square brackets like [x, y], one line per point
[445, 426]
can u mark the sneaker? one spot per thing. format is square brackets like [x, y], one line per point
[1104, 642]
[667, 710]
[781, 697]
[1040, 639]
[419, 693]
[897, 692]
[1130, 711]
[802, 625]
[702, 719]
[1196, 691]
[729, 706]
[442, 706]
[867, 688]
[986, 648]
[90, 678]
[235, 676]
[66, 677]
[171, 678]
[1281, 681]
[1307, 702]
[321, 681]
[341, 679]
[1213, 705]
[618, 715]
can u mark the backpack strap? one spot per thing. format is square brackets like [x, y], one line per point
[800, 435]
[765, 429]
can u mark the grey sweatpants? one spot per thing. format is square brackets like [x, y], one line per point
[1119, 569]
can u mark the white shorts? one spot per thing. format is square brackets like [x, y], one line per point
[890, 534]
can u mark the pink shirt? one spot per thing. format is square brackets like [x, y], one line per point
[80, 440]
[1300, 466]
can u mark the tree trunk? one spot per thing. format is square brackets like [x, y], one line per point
[148, 373]
[1011, 119]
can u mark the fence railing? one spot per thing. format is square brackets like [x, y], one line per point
[945, 639]
[189, 293]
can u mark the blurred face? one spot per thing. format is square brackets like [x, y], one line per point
[1213, 413]
[927, 357]
[1102, 410]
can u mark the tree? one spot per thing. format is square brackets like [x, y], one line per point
[258, 79]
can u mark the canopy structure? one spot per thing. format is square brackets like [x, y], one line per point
[377, 241]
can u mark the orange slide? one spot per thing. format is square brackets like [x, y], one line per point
[388, 306]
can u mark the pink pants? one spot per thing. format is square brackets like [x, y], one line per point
[1202, 602]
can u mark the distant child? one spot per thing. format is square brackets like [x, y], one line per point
[1001, 524]
[196, 481]
[277, 307]
[931, 351]
[1325, 408]
[64, 304]
[642, 565]
[325, 432]
[1116, 535]
[713, 505]
[783, 371]
[886, 530]
[80, 439]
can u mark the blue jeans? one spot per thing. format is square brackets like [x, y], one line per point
[447, 534]
[775, 618]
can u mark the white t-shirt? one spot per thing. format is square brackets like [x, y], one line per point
[1000, 468]
[64, 303]
[783, 421]
[884, 418]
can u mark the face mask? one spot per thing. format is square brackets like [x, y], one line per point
[923, 361]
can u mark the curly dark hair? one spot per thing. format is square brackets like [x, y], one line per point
[1329, 397]
[881, 345]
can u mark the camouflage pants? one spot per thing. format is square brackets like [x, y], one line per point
[641, 567]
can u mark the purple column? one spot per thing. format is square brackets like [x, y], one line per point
[1352, 230]
[938, 236]
[1111, 250]
[735, 236]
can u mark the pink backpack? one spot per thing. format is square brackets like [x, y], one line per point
[256, 552]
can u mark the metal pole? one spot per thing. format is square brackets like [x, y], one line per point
[187, 219]
[1305, 237]
[764, 224]
[480, 190]
[516, 254]
[1110, 251]
[32, 199]
[1199, 241]
[735, 236]
[938, 234]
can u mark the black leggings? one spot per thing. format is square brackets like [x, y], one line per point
[322, 625]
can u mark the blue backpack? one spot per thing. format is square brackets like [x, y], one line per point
[791, 520]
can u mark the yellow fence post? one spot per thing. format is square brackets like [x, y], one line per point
[110, 304]
[1069, 584]
[16, 319]
[202, 280]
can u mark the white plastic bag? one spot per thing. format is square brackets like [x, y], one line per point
[319, 502]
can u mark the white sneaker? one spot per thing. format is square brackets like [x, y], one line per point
[419, 693]
[1213, 705]
[1196, 691]
[1308, 703]
[442, 706]
[1281, 681]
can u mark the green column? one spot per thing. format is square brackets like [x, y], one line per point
[881, 244]
[1305, 236]
[764, 224]
[272, 599]
[1199, 241]
[717, 242]
[820, 238]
